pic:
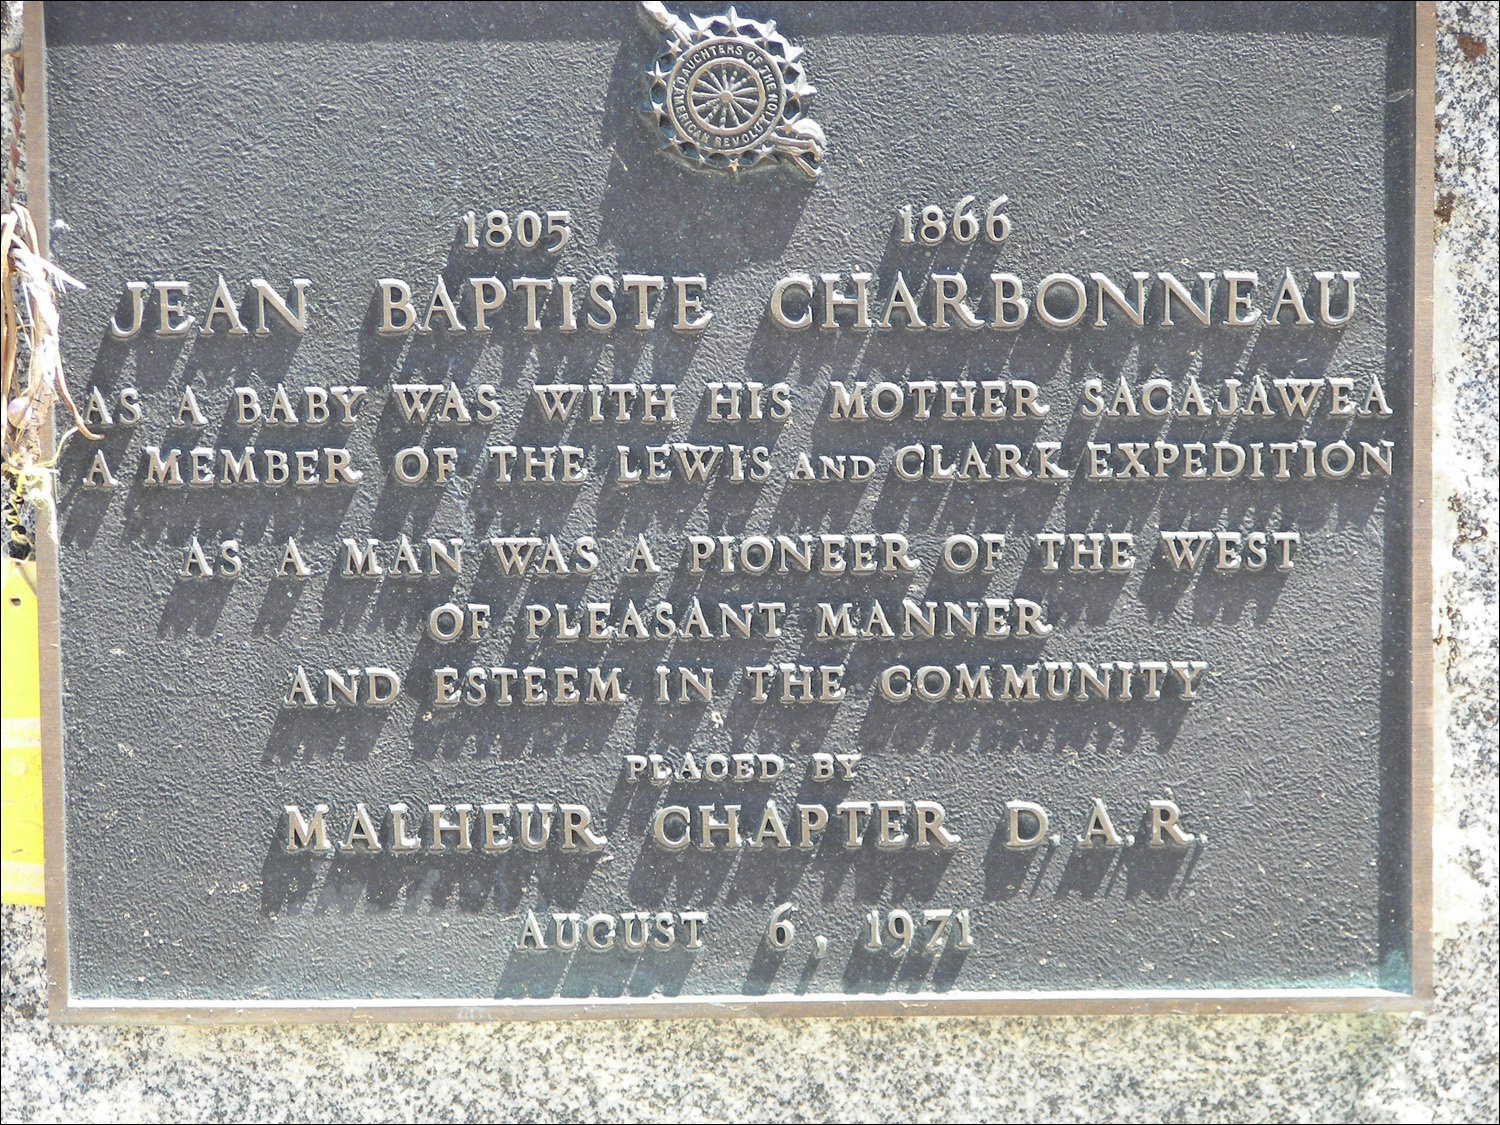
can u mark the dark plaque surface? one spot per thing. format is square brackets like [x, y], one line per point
[611, 509]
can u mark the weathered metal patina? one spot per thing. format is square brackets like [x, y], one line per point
[573, 535]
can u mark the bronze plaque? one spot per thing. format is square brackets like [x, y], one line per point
[603, 509]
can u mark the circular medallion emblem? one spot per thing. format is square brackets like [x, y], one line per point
[726, 95]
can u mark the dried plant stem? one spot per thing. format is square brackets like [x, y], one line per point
[29, 285]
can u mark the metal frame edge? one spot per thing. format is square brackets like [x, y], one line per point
[1423, 717]
[49, 655]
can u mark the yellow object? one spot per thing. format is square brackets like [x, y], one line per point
[20, 740]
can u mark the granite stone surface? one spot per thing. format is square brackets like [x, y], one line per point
[1439, 1065]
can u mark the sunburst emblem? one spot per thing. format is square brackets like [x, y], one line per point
[728, 94]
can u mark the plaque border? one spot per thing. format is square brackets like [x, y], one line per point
[65, 1008]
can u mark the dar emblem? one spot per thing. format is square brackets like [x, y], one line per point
[728, 94]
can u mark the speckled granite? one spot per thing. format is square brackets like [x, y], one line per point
[1435, 1066]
